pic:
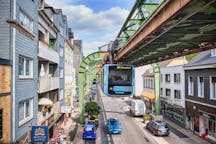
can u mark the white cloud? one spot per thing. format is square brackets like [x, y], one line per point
[103, 26]
[84, 21]
[91, 47]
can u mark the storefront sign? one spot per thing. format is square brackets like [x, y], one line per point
[39, 134]
[65, 109]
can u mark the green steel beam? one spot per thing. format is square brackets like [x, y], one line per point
[157, 77]
[90, 61]
[140, 12]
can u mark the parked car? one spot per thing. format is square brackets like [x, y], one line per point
[114, 126]
[138, 108]
[89, 131]
[158, 128]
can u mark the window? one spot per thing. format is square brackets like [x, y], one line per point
[167, 77]
[25, 67]
[161, 92]
[1, 123]
[213, 52]
[61, 73]
[161, 77]
[61, 30]
[212, 127]
[25, 21]
[61, 52]
[190, 86]
[200, 85]
[168, 92]
[177, 78]
[177, 94]
[61, 95]
[213, 87]
[25, 111]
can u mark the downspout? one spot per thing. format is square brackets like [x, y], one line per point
[14, 74]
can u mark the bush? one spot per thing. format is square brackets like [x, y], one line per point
[92, 108]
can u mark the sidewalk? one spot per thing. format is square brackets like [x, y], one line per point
[188, 133]
[70, 127]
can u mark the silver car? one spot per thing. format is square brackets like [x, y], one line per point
[158, 128]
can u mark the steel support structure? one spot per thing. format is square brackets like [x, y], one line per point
[85, 77]
[157, 79]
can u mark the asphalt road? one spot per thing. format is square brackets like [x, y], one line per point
[132, 131]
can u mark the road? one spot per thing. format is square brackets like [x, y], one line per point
[133, 129]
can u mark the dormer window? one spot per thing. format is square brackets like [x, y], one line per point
[213, 52]
[25, 21]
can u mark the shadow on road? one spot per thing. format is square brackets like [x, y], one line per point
[107, 139]
[72, 134]
[90, 142]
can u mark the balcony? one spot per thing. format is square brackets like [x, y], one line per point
[47, 53]
[47, 83]
[55, 110]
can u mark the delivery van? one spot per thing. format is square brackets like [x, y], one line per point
[138, 108]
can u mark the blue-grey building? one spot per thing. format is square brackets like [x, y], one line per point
[200, 95]
[18, 43]
[52, 34]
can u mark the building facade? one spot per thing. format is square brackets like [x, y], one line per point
[52, 33]
[200, 92]
[70, 81]
[173, 91]
[18, 38]
[5, 102]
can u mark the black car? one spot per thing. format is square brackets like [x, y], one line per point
[158, 128]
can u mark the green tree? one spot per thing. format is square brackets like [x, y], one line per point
[92, 108]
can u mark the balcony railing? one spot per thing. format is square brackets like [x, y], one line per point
[42, 117]
[47, 83]
[45, 52]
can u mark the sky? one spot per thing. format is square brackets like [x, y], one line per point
[95, 22]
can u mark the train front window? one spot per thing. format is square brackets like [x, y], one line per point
[120, 75]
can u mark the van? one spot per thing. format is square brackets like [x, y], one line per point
[138, 108]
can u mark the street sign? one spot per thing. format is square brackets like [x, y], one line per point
[39, 134]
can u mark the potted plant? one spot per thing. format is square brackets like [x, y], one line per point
[44, 111]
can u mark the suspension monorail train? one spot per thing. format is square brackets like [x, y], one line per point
[117, 80]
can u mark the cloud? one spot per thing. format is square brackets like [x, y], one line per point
[94, 29]
[84, 21]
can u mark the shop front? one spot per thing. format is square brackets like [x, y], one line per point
[202, 120]
[174, 113]
[207, 125]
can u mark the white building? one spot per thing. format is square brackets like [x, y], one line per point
[173, 90]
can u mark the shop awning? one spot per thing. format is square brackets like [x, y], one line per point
[149, 94]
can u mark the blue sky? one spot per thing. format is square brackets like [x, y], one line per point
[95, 22]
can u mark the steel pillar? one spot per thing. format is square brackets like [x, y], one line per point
[157, 77]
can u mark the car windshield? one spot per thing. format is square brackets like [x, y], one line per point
[162, 126]
[89, 128]
[114, 122]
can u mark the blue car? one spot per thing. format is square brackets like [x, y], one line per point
[89, 131]
[114, 126]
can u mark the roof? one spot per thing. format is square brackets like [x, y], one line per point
[58, 10]
[48, 6]
[202, 59]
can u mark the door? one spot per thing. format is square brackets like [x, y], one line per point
[196, 124]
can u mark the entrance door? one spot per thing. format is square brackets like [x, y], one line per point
[196, 124]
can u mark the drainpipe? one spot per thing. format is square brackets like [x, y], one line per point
[13, 75]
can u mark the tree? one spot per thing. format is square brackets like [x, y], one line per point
[92, 108]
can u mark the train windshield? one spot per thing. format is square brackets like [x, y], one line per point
[120, 75]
